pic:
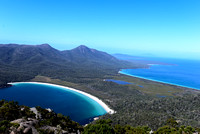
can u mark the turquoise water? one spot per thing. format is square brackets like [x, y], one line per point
[77, 106]
[179, 72]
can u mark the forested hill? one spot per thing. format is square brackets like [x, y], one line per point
[83, 54]
[24, 62]
[26, 55]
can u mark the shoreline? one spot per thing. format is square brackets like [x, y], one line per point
[100, 102]
[172, 84]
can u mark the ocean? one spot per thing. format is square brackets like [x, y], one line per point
[78, 107]
[180, 72]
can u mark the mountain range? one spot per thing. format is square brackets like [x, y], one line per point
[14, 54]
[23, 62]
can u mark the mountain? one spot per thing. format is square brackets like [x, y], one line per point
[91, 57]
[24, 62]
[82, 53]
[14, 54]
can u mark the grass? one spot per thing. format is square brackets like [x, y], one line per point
[150, 87]
[79, 86]
[56, 81]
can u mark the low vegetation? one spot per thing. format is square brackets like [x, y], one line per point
[137, 108]
[105, 126]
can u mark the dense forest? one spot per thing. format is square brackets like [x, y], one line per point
[24, 62]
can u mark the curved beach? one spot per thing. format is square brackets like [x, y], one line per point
[100, 102]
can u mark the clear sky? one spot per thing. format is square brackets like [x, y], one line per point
[149, 27]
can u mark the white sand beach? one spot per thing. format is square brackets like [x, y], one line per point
[108, 110]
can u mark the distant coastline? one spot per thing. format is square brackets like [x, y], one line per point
[121, 72]
[100, 102]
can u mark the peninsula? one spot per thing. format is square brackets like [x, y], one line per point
[86, 69]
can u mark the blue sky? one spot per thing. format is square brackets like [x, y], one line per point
[169, 28]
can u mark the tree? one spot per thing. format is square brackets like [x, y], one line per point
[100, 127]
[172, 122]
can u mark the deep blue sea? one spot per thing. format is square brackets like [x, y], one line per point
[78, 107]
[179, 72]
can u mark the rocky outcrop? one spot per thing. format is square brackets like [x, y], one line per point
[56, 130]
[16, 119]
[37, 114]
[25, 126]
